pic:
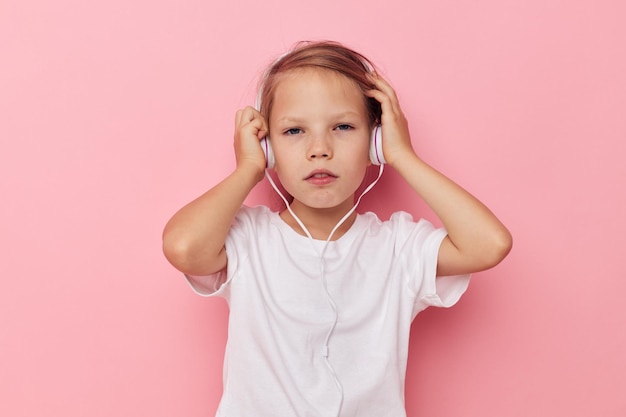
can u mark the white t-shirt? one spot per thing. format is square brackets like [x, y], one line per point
[379, 276]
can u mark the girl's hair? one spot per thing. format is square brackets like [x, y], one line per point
[326, 55]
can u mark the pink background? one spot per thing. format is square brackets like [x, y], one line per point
[115, 113]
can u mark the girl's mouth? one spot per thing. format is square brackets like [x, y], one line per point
[320, 177]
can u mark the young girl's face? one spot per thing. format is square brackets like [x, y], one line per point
[320, 136]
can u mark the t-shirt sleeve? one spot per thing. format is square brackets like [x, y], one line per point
[437, 291]
[207, 285]
[240, 231]
[421, 242]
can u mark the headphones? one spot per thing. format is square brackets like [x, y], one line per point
[376, 148]
[376, 139]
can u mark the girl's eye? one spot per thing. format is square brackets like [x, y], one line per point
[293, 131]
[343, 127]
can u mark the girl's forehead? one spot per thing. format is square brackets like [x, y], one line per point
[317, 93]
[323, 76]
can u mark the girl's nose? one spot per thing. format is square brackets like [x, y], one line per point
[320, 147]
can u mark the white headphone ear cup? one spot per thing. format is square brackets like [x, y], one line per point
[376, 146]
[269, 153]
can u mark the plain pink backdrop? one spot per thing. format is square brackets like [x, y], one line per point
[114, 114]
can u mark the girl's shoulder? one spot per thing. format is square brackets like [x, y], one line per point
[400, 226]
[397, 219]
[254, 211]
[250, 218]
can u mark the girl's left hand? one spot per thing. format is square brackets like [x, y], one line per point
[396, 136]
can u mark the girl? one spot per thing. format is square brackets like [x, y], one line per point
[321, 298]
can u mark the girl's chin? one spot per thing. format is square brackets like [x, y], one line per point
[323, 204]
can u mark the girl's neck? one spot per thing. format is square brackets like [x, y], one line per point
[319, 222]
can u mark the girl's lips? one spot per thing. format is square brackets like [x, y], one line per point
[320, 177]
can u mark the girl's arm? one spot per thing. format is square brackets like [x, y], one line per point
[193, 239]
[476, 239]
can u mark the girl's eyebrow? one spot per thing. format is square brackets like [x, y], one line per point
[299, 120]
[290, 120]
[348, 113]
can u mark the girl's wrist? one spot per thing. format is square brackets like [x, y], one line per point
[402, 157]
[249, 173]
[407, 162]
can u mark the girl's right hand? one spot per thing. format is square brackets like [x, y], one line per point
[397, 143]
[194, 238]
[250, 128]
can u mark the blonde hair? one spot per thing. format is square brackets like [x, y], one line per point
[325, 55]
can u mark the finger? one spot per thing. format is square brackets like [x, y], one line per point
[381, 84]
[263, 130]
[238, 117]
[386, 103]
[248, 114]
[257, 126]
